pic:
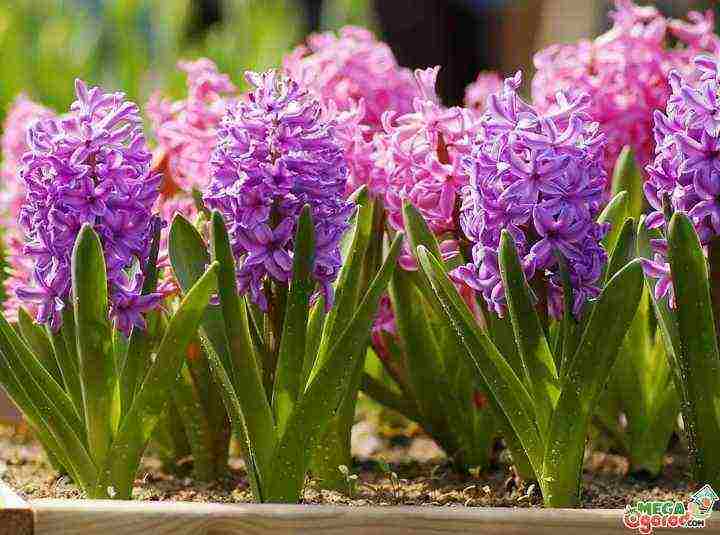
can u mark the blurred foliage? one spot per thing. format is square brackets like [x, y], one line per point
[134, 45]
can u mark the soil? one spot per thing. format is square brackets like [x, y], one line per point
[396, 470]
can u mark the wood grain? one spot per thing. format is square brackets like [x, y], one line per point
[60, 517]
[16, 517]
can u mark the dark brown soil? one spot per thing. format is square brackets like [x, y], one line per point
[423, 477]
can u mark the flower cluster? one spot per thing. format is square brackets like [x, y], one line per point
[275, 153]
[91, 166]
[625, 71]
[22, 114]
[477, 92]
[186, 132]
[541, 178]
[686, 168]
[186, 129]
[350, 67]
[419, 157]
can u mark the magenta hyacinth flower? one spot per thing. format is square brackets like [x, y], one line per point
[541, 177]
[350, 67]
[90, 166]
[22, 114]
[277, 152]
[686, 168]
[625, 72]
[419, 156]
[186, 129]
[477, 92]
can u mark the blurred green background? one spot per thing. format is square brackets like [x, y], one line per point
[134, 45]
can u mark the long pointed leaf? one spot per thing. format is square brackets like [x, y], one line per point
[541, 376]
[347, 288]
[242, 367]
[292, 343]
[94, 341]
[504, 386]
[698, 356]
[134, 366]
[325, 390]
[138, 424]
[52, 406]
[628, 177]
[614, 213]
[587, 374]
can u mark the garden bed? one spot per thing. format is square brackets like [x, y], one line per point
[425, 479]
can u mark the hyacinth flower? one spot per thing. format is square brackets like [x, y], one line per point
[679, 242]
[196, 424]
[625, 72]
[477, 92]
[418, 157]
[22, 114]
[298, 283]
[353, 66]
[555, 308]
[90, 374]
[359, 76]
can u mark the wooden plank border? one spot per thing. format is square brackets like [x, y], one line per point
[97, 517]
[67, 517]
[16, 516]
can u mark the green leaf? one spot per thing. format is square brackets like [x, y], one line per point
[138, 424]
[325, 391]
[614, 213]
[291, 356]
[698, 356]
[585, 378]
[50, 404]
[347, 287]
[316, 322]
[39, 342]
[41, 377]
[134, 364]
[377, 389]
[541, 377]
[627, 177]
[666, 317]
[31, 414]
[240, 368]
[624, 250]
[507, 390]
[94, 340]
[423, 361]
[66, 359]
[418, 232]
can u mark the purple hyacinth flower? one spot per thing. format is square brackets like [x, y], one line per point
[277, 152]
[91, 166]
[686, 168]
[541, 178]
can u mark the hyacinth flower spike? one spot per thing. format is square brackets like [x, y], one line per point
[680, 247]
[292, 322]
[90, 377]
[555, 308]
